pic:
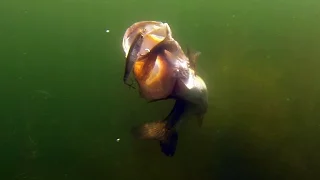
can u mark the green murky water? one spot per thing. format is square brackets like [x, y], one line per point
[63, 103]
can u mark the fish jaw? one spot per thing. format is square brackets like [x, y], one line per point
[153, 32]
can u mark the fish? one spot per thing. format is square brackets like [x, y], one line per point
[165, 72]
[187, 101]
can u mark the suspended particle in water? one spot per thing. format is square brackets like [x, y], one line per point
[118, 139]
[107, 31]
[225, 68]
[41, 94]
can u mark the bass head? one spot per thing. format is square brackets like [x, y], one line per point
[153, 32]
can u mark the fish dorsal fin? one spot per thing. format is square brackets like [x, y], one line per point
[193, 56]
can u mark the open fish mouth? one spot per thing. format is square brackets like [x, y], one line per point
[153, 32]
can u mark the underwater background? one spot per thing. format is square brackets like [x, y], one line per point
[66, 114]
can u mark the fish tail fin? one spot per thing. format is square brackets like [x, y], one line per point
[159, 131]
[169, 145]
